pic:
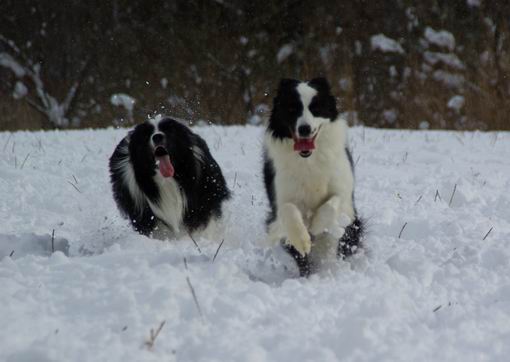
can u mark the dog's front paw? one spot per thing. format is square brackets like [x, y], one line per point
[323, 220]
[301, 241]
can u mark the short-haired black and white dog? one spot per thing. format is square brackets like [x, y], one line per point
[163, 174]
[308, 172]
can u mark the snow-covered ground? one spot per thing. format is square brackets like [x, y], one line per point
[436, 289]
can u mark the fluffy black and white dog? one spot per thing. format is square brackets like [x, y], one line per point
[163, 175]
[308, 172]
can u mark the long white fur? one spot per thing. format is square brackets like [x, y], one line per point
[128, 177]
[312, 194]
[172, 203]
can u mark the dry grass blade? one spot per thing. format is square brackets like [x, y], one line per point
[195, 242]
[235, 181]
[53, 241]
[25, 160]
[153, 335]
[453, 194]
[486, 235]
[7, 142]
[75, 187]
[437, 196]
[419, 199]
[195, 299]
[218, 250]
[11, 254]
[402, 230]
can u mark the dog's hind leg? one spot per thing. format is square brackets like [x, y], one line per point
[350, 242]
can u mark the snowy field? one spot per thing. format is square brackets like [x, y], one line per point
[432, 285]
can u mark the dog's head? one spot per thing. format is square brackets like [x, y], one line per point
[159, 144]
[300, 109]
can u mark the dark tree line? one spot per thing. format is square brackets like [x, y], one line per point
[395, 63]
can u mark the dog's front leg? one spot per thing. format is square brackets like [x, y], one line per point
[326, 216]
[292, 222]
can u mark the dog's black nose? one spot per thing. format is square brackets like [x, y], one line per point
[157, 138]
[304, 130]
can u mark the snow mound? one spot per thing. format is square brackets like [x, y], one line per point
[386, 45]
[441, 38]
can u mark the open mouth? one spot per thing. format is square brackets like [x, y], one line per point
[163, 161]
[304, 145]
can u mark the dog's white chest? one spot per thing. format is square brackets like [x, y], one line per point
[171, 205]
[303, 182]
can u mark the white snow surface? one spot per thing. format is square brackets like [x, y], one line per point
[385, 44]
[432, 290]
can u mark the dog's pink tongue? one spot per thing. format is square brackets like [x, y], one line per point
[304, 144]
[165, 166]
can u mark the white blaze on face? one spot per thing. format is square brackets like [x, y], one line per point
[306, 93]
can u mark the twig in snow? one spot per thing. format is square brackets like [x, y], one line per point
[53, 241]
[25, 160]
[218, 250]
[235, 180]
[486, 235]
[194, 242]
[7, 142]
[419, 199]
[252, 199]
[437, 308]
[153, 335]
[437, 196]
[453, 194]
[73, 185]
[404, 159]
[11, 254]
[357, 160]
[495, 139]
[402, 230]
[75, 180]
[193, 294]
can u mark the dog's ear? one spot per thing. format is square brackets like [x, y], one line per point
[321, 84]
[286, 83]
